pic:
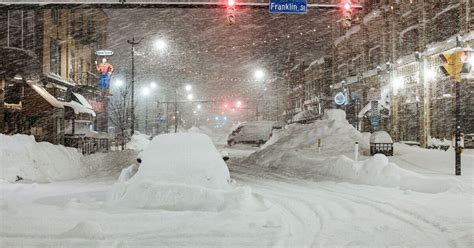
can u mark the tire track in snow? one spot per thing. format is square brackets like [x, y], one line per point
[415, 221]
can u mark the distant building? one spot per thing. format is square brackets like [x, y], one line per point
[48, 80]
[399, 42]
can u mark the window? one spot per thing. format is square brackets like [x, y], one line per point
[55, 16]
[375, 56]
[55, 57]
[72, 66]
[90, 26]
[79, 70]
[15, 31]
[409, 41]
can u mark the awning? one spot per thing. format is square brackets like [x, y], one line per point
[77, 107]
[83, 100]
[46, 96]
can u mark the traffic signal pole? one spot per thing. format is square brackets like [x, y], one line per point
[457, 139]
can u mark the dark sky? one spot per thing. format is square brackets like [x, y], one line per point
[205, 51]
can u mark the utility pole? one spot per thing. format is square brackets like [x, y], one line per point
[146, 115]
[175, 108]
[133, 42]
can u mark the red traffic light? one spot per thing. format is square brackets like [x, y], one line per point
[346, 5]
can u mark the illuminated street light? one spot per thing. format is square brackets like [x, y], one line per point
[119, 83]
[153, 85]
[145, 91]
[397, 83]
[190, 97]
[188, 87]
[430, 74]
[259, 74]
[160, 44]
[199, 106]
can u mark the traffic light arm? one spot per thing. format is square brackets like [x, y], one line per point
[139, 3]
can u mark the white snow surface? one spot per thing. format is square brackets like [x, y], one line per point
[298, 212]
[294, 150]
[44, 162]
[138, 141]
[181, 171]
[380, 137]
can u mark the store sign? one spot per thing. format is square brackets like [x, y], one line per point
[340, 98]
[104, 53]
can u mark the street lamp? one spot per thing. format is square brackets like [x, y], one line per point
[397, 83]
[153, 85]
[160, 44]
[188, 87]
[119, 83]
[259, 74]
[190, 97]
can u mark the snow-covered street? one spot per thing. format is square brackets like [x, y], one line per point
[301, 213]
[298, 210]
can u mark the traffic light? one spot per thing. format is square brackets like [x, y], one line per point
[347, 11]
[231, 12]
[453, 64]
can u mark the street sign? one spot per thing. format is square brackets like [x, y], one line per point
[104, 53]
[288, 6]
[375, 120]
[340, 98]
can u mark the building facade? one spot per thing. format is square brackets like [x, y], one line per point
[390, 62]
[48, 80]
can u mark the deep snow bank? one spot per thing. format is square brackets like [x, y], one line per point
[293, 150]
[21, 155]
[41, 162]
[138, 141]
[336, 134]
[182, 171]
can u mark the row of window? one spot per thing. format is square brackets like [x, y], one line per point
[76, 21]
[55, 63]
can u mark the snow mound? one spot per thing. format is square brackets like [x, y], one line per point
[337, 136]
[380, 137]
[377, 170]
[85, 230]
[40, 162]
[181, 171]
[294, 151]
[138, 141]
[127, 173]
[44, 162]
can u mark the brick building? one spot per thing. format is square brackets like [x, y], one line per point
[48, 81]
[397, 43]
[294, 77]
[317, 94]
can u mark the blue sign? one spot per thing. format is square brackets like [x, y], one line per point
[288, 6]
[375, 120]
[340, 98]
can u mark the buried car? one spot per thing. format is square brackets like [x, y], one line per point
[254, 132]
[182, 171]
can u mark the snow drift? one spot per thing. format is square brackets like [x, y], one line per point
[44, 162]
[138, 141]
[181, 171]
[294, 150]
